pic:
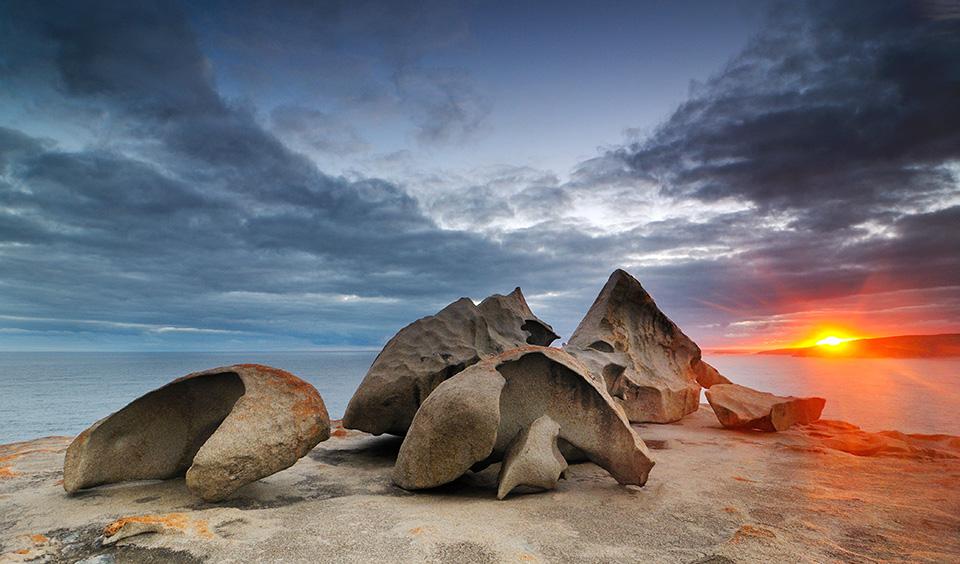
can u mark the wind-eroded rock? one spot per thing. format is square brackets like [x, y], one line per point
[434, 348]
[533, 459]
[224, 428]
[472, 419]
[648, 365]
[742, 407]
[708, 376]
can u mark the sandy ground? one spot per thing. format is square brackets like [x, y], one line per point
[715, 496]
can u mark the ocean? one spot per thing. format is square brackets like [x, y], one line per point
[44, 393]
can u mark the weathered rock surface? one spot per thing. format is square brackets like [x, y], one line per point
[648, 365]
[533, 459]
[767, 497]
[707, 375]
[745, 408]
[471, 419]
[431, 350]
[223, 428]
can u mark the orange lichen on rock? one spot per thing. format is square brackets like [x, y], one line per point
[39, 539]
[202, 529]
[7, 472]
[177, 521]
[17, 454]
[168, 522]
[749, 531]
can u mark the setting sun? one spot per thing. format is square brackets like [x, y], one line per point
[832, 341]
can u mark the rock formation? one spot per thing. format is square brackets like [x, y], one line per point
[471, 420]
[646, 362]
[707, 375]
[740, 407]
[224, 428]
[431, 350]
[533, 459]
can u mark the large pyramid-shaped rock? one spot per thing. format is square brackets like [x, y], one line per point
[648, 365]
[434, 348]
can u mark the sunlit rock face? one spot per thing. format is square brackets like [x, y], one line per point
[708, 376]
[740, 407]
[432, 349]
[223, 428]
[473, 419]
[646, 362]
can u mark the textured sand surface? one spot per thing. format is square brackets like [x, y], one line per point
[715, 495]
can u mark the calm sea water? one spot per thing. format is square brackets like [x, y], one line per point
[909, 395]
[62, 393]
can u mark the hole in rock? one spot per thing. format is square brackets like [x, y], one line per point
[158, 435]
[538, 334]
[601, 346]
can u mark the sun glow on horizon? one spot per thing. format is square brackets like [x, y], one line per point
[830, 337]
[832, 341]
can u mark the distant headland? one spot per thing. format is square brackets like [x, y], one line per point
[903, 346]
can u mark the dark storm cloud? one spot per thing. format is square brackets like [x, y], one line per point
[201, 201]
[387, 74]
[837, 111]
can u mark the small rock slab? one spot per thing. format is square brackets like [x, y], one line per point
[708, 376]
[740, 407]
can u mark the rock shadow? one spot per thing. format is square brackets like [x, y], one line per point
[375, 452]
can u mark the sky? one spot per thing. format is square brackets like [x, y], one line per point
[316, 175]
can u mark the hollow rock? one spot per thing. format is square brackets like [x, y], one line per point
[471, 419]
[223, 428]
[533, 458]
[646, 362]
[431, 350]
[740, 407]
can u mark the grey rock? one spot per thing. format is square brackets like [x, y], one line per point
[470, 420]
[223, 428]
[98, 559]
[740, 407]
[431, 350]
[533, 458]
[646, 362]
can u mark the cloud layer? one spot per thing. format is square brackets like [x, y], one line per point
[821, 164]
